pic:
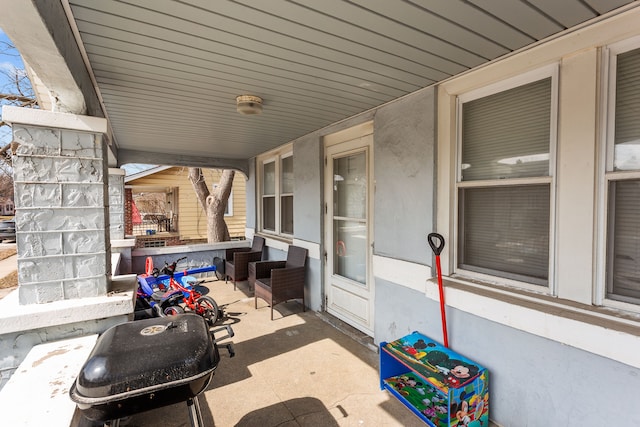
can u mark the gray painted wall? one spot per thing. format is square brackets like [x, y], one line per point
[307, 212]
[532, 381]
[313, 284]
[307, 196]
[251, 195]
[404, 150]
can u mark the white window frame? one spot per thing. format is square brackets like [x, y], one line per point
[607, 173]
[273, 156]
[551, 71]
[281, 193]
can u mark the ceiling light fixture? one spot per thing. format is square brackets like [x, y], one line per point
[249, 104]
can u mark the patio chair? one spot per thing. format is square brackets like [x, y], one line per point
[280, 281]
[237, 260]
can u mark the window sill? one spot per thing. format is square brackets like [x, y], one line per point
[276, 241]
[598, 330]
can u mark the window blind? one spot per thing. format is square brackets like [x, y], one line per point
[623, 236]
[506, 135]
[624, 232]
[504, 231]
[627, 113]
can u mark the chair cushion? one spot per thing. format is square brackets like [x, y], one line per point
[265, 282]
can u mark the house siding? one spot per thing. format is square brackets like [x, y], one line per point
[192, 220]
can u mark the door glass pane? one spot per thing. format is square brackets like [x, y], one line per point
[350, 186]
[504, 231]
[287, 175]
[506, 135]
[623, 264]
[350, 249]
[269, 179]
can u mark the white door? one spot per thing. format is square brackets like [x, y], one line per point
[348, 279]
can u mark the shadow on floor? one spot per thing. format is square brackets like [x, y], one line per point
[304, 411]
[290, 365]
[273, 344]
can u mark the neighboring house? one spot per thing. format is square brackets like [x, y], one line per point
[7, 208]
[178, 217]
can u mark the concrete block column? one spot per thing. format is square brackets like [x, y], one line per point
[116, 203]
[61, 195]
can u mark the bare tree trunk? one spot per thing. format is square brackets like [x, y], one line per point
[213, 203]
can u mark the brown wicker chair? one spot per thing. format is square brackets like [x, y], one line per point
[280, 281]
[237, 260]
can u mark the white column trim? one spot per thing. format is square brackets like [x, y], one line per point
[35, 117]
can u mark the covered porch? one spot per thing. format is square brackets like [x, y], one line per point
[356, 156]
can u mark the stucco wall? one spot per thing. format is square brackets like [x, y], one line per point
[251, 195]
[404, 152]
[307, 196]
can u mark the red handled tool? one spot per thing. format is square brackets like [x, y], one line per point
[436, 241]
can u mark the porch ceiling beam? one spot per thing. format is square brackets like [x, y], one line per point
[152, 158]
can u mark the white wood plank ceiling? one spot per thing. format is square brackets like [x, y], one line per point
[169, 71]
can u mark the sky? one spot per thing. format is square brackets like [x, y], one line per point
[9, 60]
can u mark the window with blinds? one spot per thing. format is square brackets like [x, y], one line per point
[286, 196]
[276, 193]
[623, 178]
[504, 185]
[269, 196]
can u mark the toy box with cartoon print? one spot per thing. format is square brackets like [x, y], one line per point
[443, 388]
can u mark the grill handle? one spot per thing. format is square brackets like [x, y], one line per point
[229, 334]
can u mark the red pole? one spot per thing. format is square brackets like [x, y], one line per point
[442, 312]
[436, 241]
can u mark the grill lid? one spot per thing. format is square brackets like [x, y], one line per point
[140, 356]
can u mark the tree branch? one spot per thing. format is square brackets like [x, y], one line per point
[14, 97]
[200, 186]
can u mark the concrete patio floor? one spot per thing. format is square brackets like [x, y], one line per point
[297, 370]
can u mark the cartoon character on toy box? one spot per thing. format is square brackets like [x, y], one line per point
[432, 360]
[446, 388]
[470, 406]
